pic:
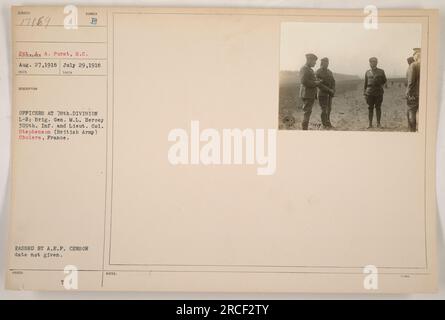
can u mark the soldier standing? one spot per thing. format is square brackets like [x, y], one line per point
[326, 91]
[308, 88]
[410, 60]
[375, 79]
[412, 91]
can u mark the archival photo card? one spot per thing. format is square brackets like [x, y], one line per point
[161, 149]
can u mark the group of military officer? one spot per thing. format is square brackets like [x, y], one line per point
[321, 84]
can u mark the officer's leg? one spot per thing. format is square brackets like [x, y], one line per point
[328, 111]
[378, 109]
[408, 118]
[370, 102]
[307, 110]
[412, 120]
[323, 100]
[370, 115]
[409, 115]
[416, 115]
[412, 115]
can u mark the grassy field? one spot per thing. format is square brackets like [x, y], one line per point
[349, 109]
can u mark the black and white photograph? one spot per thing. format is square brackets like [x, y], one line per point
[344, 76]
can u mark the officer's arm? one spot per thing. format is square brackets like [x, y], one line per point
[307, 81]
[411, 81]
[323, 87]
[384, 77]
[366, 82]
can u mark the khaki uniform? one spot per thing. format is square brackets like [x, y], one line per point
[324, 94]
[412, 94]
[308, 93]
[375, 79]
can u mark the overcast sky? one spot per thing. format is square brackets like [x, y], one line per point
[350, 45]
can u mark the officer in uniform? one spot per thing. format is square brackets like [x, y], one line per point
[412, 90]
[375, 79]
[410, 60]
[308, 87]
[326, 91]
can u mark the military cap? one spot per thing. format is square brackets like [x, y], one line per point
[325, 59]
[373, 59]
[311, 56]
[416, 50]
